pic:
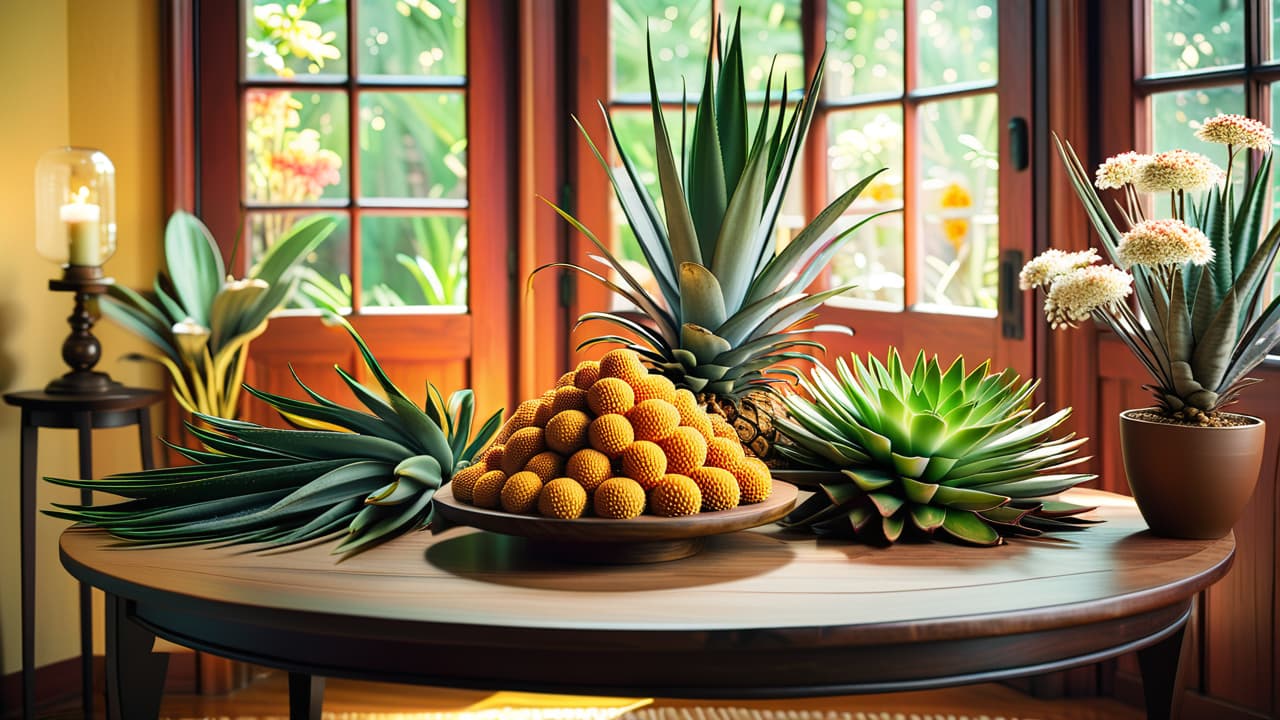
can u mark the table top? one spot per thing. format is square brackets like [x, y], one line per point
[744, 591]
[124, 398]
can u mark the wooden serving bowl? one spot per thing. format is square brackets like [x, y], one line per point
[643, 539]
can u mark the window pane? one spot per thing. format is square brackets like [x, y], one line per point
[681, 31]
[957, 41]
[408, 261]
[326, 273]
[771, 37]
[1175, 116]
[295, 146]
[1275, 33]
[412, 38]
[863, 141]
[413, 145]
[957, 200]
[296, 39]
[1196, 34]
[864, 47]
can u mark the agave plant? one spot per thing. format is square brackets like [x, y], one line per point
[1200, 276]
[929, 450]
[364, 476]
[202, 321]
[731, 307]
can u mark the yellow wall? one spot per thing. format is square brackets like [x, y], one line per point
[79, 72]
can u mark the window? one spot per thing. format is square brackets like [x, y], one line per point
[1199, 58]
[359, 108]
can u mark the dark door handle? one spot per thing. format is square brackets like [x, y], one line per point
[1019, 145]
[1012, 324]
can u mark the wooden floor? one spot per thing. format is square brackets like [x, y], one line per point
[266, 699]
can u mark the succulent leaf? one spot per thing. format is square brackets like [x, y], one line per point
[372, 479]
[982, 471]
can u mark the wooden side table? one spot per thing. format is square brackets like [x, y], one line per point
[84, 413]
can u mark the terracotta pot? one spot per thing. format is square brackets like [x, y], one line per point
[1190, 481]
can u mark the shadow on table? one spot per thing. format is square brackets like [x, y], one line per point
[513, 561]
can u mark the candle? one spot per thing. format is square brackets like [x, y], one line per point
[83, 229]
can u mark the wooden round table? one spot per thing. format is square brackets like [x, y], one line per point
[756, 614]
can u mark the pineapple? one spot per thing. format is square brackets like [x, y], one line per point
[730, 307]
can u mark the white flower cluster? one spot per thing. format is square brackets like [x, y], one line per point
[1164, 242]
[1177, 170]
[1046, 267]
[1120, 170]
[1236, 131]
[1073, 297]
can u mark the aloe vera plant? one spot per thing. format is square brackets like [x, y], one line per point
[362, 476]
[929, 451]
[202, 321]
[730, 307]
[1200, 276]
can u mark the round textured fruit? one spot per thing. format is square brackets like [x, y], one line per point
[675, 496]
[654, 387]
[566, 379]
[719, 488]
[623, 364]
[562, 498]
[618, 498]
[754, 480]
[721, 428]
[724, 453]
[654, 420]
[523, 445]
[544, 409]
[488, 489]
[610, 395]
[610, 434]
[547, 465]
[686, 450]
[692, 415]
[645, 463]
[520, 419]
[568, 398]
[589, 468]
[520, 492]
[465, 480]
[493, 458]
[586, 374]
[567, 431]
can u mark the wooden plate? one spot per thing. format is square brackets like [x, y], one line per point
[643, 539]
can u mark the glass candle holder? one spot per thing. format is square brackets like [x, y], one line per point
[76, 209]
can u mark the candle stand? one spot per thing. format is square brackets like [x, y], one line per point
[81, 350]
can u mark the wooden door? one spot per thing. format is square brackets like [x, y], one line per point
[399, 126]
[938, 93]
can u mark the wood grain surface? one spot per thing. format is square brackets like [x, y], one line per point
[756, 613]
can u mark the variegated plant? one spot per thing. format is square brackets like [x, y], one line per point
[729, 305]
[929, 451]
[1201, 275]
[202, 320]
[363, 477]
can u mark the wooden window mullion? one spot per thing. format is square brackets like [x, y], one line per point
[911, 255]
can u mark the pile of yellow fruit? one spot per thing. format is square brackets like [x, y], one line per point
[613, 440]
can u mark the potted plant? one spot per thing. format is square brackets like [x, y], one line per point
[202, 320]
[728, 307]
[1199, 275]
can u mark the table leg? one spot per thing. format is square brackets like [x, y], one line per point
[145, 441]
[1161, 675]
[84, 428]
[306, 696]
[30, 448]
[135, 674]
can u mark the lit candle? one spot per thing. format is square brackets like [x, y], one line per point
[83, 221]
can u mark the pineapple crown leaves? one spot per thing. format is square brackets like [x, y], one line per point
[929, 449]
[724, 296]
[1209, 326]
[367, 476]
